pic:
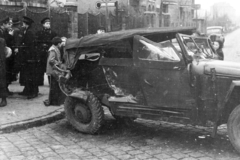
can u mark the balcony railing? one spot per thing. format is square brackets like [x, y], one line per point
[170, 2]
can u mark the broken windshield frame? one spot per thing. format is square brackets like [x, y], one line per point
[198, 47]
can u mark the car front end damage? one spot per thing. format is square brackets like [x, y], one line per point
[217, 88]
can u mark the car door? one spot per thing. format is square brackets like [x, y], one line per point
[163, 74]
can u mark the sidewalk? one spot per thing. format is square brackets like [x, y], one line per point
[23, 113]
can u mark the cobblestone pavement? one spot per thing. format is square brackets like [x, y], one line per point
[144, 139]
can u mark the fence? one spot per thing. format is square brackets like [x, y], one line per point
[59, 19]
[88, 23]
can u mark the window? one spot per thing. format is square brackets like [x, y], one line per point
[163, 51]
[181, 13]
[192, 12]
[165, 8]
[153, 9]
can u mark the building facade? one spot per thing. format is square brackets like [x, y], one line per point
[130, 13]
[144, 13]
[177, 13]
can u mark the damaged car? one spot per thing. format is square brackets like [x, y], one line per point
[159, 74]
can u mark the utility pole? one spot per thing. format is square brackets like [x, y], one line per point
[107, 15]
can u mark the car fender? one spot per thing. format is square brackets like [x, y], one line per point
[83, 96]
[80, 94]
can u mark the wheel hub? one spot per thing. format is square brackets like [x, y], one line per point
[82, 113]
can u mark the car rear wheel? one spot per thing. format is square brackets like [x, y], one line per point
[233, 127]
[86, 116]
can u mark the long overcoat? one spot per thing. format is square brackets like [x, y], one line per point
[28, 60]
[10, 76]
[43, 43]
[3, 87]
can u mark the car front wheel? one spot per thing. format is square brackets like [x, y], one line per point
[86, 116]
[233, 127]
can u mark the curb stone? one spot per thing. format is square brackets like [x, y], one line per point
[33, 122]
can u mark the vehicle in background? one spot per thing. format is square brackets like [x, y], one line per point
[216, 33]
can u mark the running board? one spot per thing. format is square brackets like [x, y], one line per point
[151, 113]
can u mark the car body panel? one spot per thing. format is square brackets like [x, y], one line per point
[223, 68]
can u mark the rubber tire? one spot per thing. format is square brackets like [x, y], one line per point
[233, 127]
[97, 114]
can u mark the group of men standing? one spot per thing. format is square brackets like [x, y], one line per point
[28, 58]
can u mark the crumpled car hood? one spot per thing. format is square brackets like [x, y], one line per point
[222, 68]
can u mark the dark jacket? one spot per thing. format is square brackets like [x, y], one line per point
[3, 91]
[6, 36]
[10, 76]
[17, 37]
[27, 58]
[43, 43]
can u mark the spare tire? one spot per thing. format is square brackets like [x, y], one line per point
[86, 116]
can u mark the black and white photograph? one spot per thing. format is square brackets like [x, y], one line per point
[119, 80]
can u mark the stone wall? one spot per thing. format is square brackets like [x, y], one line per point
[72, 8]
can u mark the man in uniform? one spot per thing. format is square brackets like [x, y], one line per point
[17, 35]
[43, 43]
[7, 34]
[28, 61]
[16, 42]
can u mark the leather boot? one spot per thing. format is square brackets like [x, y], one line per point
[24, 92]
[4, 102]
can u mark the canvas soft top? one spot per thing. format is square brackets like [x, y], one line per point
[105, 38]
